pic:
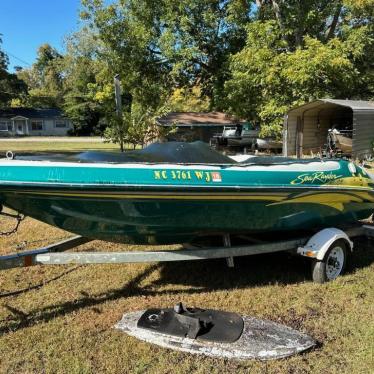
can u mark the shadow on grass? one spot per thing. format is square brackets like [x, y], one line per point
[48, 313]
[250, 271]
[201, 276]
[362, 256]
[39, 285]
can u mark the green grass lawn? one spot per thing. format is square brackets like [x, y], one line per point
[55, 146]
[62, 321]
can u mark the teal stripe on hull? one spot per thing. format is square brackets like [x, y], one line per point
[167, 175]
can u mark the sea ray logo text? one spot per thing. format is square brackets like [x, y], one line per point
[317, 177]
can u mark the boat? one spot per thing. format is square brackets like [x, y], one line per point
[245, 135]
[344, 143]
[237, 136]
[178, 192]
[339, 142]
[267, 144]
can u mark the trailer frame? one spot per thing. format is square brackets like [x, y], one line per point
[313, 247]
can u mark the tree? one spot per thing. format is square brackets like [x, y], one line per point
[198, 37]
[44, 79]
[156, 46]
[277, 69]
[138, 126]
[11, 87]
[319, 19]
[87, 92]
[125, 50]
[188, 100]
[84, 111]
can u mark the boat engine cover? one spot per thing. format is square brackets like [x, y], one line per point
[194, 323]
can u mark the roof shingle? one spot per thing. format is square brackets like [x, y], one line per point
[31, 113]
[198, 119]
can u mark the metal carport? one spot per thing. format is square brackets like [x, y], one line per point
[306, 127]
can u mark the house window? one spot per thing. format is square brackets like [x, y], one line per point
[5, 125]
[36, 125]
[61, 124]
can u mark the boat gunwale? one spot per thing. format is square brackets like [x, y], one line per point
[138, 188]
[171, 163]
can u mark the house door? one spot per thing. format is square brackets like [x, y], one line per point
[20, 126]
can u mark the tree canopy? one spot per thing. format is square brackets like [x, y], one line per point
[251, 58]
[299, 51]
[44, 79]
[11, 87]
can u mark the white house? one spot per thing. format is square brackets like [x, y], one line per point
[33, 122]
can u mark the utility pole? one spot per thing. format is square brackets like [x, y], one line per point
[117, 92]
[118, 98]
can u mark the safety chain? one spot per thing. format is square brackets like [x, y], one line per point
[18, 217]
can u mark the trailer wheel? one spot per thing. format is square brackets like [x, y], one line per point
[333, 264]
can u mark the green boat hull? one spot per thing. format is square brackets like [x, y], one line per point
[147, 205]
[164, 221]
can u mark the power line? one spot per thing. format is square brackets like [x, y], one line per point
[17, 58]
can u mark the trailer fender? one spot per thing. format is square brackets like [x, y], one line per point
[319, 243]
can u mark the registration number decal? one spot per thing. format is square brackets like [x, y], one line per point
[188, 175]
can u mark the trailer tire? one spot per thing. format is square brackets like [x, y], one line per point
[333, 263]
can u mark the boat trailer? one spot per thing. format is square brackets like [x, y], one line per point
[328, 249]
[212, 333]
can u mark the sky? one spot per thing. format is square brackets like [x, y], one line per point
[26, 24]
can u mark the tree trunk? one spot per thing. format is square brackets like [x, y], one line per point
[278, 14]
[330, 32]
